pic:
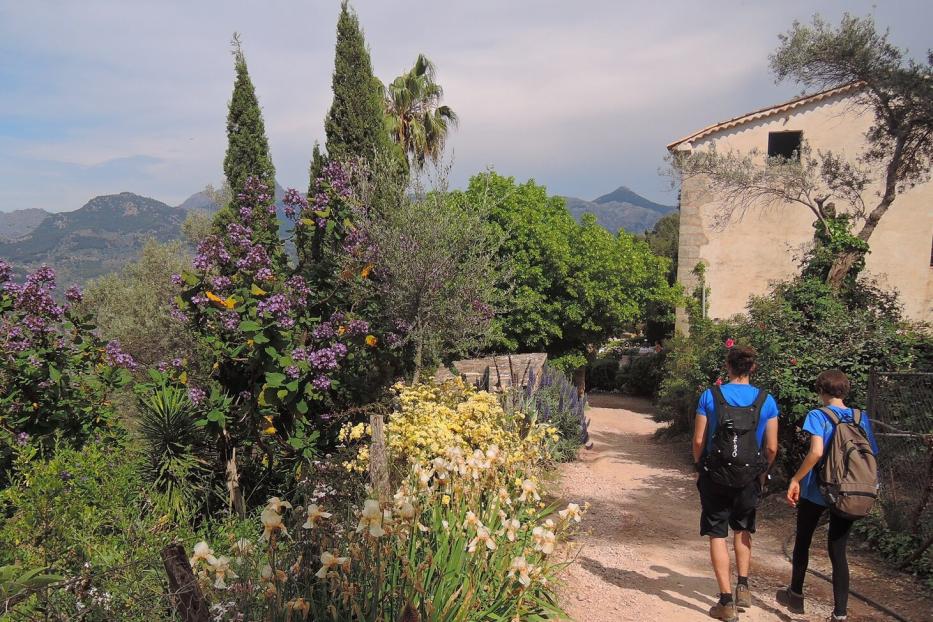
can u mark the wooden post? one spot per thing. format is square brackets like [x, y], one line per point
[379, 459]
[184, 592]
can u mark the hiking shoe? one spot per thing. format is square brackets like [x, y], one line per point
[727, 613]
[743, 597]
[790, 599]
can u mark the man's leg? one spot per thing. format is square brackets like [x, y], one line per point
[743, 552]
[719, 555]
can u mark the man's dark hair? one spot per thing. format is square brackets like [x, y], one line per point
[834, 383]
[741, 360]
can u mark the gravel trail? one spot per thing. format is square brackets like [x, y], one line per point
[640, 556]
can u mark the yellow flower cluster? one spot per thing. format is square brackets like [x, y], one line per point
[431, 418]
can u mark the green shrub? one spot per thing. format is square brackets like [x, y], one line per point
[642, 376]
[85, 515]
[601, 374]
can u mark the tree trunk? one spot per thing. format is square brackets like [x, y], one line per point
[579, 378]
[842, 264]
[379, 459]
[184, 592]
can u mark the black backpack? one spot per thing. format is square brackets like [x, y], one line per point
[733, 457]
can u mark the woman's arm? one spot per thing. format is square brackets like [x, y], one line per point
[813, 456]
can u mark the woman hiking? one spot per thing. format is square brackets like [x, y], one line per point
[805, 494]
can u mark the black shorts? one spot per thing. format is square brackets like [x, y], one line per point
[725, 507]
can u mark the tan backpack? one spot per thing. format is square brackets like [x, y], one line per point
[848, 476]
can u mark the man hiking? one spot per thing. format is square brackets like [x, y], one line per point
[839, 473]
[735, 440]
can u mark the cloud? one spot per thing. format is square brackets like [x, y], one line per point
[102, 96]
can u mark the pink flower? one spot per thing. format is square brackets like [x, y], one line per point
[730, 342]
[718, 382]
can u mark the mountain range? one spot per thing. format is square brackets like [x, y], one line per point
[110, 230]
[620, 209]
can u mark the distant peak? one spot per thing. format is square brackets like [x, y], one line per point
[624, 194]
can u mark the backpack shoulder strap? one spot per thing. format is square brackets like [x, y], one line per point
[857, 416]
[832, 416]
[759, 402]
[718, 398]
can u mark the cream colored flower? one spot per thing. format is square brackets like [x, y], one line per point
[493, 454]
[544, 539]
[504, 498]
[221, 569]
[441, 470]
[529, 490]
[329, 561]
[271, 523]
[315, 514]
[571, 513]
[203, 551]
[510, 528]
[482, 537]
[405, 509]
[274, 503]
[243, 548]
[299, 605]
[371, 518]
[472, 521]
[522, 568]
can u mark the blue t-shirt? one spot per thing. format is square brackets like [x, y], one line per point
[736, 395]
[819, 424]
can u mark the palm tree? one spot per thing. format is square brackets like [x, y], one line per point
[417, 121]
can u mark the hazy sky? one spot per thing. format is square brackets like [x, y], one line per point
[102, 96]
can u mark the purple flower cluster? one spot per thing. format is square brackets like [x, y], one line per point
[221, 283]
[116, 357]
[74, 294]
[22, 438]
[265, 275]
[239, 235]
[323, 331]
[176, 279]
[175, 364]
[5, 271]
[292, 371]
[255, 259]
[255, 193]
[294, 203]
[196, 394]
[278, 308]
[15, 340]
[327, 358]
[211, 252]
[356, 328]
[230, 320]
[321, 383]
[34, 299]
[298, 288]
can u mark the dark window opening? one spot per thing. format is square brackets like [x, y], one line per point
[784, 145]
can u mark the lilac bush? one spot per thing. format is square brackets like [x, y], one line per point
[57, 374]
[289, 346]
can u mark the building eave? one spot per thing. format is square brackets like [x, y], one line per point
[685, 143]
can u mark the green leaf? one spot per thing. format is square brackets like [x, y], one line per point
[249, 326]
[302, 407]
[260, 339]
[54, 374]
[272, 352]
[282, 393]
[275, 379]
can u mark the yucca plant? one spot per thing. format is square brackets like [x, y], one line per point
[174, 447]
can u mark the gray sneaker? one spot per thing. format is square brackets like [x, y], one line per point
[790, 599]
[743, 597]
[727, 613]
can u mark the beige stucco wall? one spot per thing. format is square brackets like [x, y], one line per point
[752, 251]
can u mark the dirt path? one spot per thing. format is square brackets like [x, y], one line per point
[641, 558]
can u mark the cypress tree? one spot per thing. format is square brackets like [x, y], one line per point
[317, 166]
[248, 156]
[247, 145]
[355, 125]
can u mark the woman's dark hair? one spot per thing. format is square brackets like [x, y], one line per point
[741, 360]
[834, 383]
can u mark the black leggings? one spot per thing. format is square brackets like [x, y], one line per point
[808, 516]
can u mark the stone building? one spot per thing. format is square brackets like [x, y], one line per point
[749, 252]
